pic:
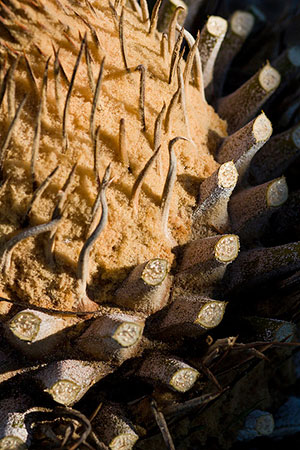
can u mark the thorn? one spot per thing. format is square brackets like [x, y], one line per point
[175, 55]
[31, 76]
[145, 11]
[190, 60]
[142, 70]
[123, 154]
[183, 100]
[83, 261]
[170, 109]
[11, 90]
[157, 136]
[164, 51]
[140, 180]
[68, 98]
[3, 86]
[169, 185]
[136, 7]
[154, 17]
[122, 40]
[95, 99]
[10, 131]
[198, 65]
[172, 28]
[8, 246]
[37, 131]
[97, 156]
[89, 68]
[37, 194]
[58, 212]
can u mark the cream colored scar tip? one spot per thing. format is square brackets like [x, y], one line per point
[227, 248]
[155, 271]
[296, 136]
[262, 128]
[127, 334]
[241, 23]
[64, 392]
[277, 192]
[25, 325]
[216, 26]
[211, 314]
[294, 55]
[227, 175]
[269, 78]
[184, 379]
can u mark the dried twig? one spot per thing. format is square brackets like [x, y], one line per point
[162, 424]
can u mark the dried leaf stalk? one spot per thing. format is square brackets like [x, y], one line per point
[37, 334]
[68, 380]
[14, 434]
[259, 265]
[212, 209]
[210, 42]
[276, 155]
[113, 337]
[243, 144]
[190, 316]
[251, 209]
[169, 371]
[114, 429]
[240, 106]
[147, 287]
[240, 26]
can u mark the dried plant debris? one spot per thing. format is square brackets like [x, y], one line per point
[141, 226]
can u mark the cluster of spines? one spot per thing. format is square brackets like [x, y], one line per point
[111, 339]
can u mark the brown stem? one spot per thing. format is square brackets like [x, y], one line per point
[204, 263]
[243, 144]
[37, 334]
[240, 106]
[69, 93]
[211, 39]
[259, 265]
[68, 380]
[116, 431]
[14, 434]
[240, 26]
[147, 287]
[276, 155]
[169, 371]
[113, 337]
[190, 316]
[214, 194]
[251, 209]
